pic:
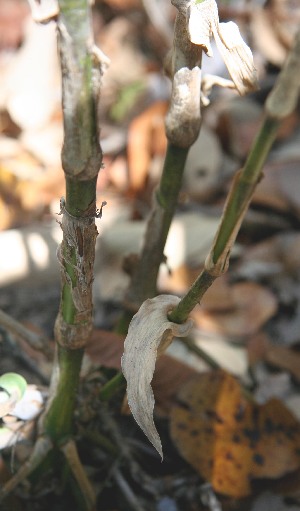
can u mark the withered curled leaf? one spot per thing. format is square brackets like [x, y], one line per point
[149, 334]
[237, 57]
[202, 18]
[203, 23]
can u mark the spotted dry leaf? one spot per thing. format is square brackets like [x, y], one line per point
[229, 440]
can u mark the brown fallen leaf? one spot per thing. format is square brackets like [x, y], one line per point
[284, 358]
[229, 440]
[119, 40]
[276, 255]
[256, 347]
[237, 124]
[289, 180]
[265, 37]
[25, 189]
[284, 15]
[251, 306]
[260, 347]
[219, 297]
[278, 188]
[123, 5]
[10, 199]
[146, 138]
[13, 16]
[203, 177]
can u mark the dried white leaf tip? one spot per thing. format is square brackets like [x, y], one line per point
[44, 11]
[150, 332]
[203, 23]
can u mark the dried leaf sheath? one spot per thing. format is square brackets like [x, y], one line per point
[77, 253]
[150, 333]
[203, 23]
[81, 68]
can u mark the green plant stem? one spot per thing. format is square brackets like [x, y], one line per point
[145, 272]
[192, 297]
[249, 177]
[235, 209]
[143, 283]
[58, 422]
[81, 159]
[171, 178]
[112, 387]
[80, 195]
[59, 419]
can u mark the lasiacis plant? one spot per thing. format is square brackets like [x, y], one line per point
[196, 23]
